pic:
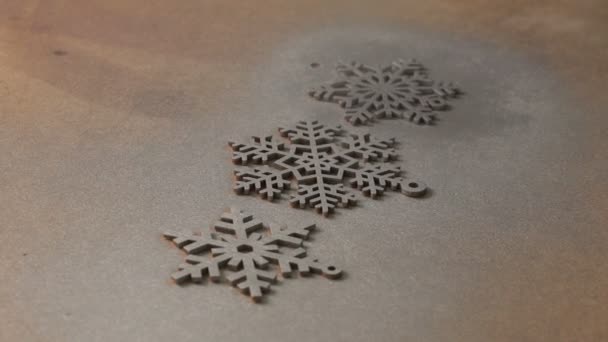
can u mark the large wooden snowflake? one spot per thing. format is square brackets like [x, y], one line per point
[242, 249]
[400, 90]
[319, 167]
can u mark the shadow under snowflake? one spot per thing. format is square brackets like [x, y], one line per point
[400, 90]
[319, 167]
[238, 244]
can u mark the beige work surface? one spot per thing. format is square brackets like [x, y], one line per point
[114, 119]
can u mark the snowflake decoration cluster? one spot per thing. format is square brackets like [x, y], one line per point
[400, 90]
[241, 250]
[314, 160]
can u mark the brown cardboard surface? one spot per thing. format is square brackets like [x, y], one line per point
[114, 119]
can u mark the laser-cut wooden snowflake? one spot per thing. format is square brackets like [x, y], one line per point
[242, 249]
[319, 167]
[400, 90]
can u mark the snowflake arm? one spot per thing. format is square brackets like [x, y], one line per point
[368, 148]
[310, 136]
[266, 182]
[354, 69]
[322, 196]
[196, 268]
[296, 259]
[387, 109]
[411, 68]
[252, 280]
[338, 91]
[261, 150]
[330, 92]
[374, 179]
[193, 243]
[238, 223]
[359, 115]
[421, 115]
[291, 237]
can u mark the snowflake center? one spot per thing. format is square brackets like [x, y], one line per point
[244, 248]
[381, 84]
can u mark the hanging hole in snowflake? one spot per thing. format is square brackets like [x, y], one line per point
[315, 65]
[332, 272]
[436, 103]
[413, 188]
[244, 248]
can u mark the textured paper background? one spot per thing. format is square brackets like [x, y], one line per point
[114, 118]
